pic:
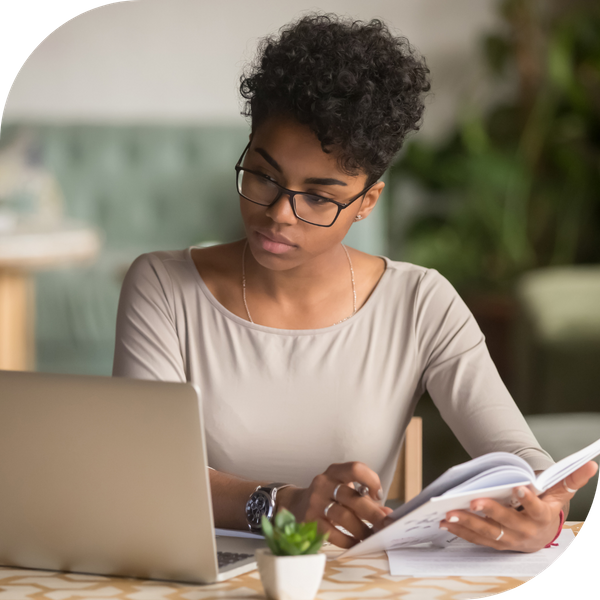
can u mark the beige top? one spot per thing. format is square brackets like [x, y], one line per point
[282, 405]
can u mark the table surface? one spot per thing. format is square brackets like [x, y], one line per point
[343, 580]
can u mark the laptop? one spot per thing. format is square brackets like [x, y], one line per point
[109, 476]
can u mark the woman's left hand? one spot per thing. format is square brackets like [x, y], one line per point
[527, 530]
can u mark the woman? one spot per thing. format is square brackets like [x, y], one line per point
[311, 356]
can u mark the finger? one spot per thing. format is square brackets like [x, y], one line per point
[579, 478]
[486, 528]
[536, 509]
[362, 506]
[340, 515]
[507, 517]
[359, 472]
[574, 481]
[477, 538]
[336, 537]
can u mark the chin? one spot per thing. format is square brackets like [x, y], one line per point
[272, 261]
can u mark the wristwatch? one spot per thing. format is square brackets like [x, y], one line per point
[262, 502]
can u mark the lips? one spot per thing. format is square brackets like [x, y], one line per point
[273, 243]
[274, 237]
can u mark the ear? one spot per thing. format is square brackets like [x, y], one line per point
[369, 201]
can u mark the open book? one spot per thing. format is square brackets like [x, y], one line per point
[493, 476]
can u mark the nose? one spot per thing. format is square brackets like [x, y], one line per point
[281, 210]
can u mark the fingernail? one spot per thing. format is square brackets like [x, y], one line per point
[444, 528]
[521, 492]
[453, 519]
[478, 507]
[380, 494]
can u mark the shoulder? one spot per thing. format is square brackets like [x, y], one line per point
[419, 279]
[220, 268]
[155, 265]
[426, 290]
[159, 276]
[221, 260]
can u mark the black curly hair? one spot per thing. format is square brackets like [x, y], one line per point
[355, 84]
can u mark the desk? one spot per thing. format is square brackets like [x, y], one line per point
[29, 246]
[344, 580]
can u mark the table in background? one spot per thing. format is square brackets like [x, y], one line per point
[29, 246]
[344, 580]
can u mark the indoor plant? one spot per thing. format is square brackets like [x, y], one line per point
[291, 569]
[515, 185]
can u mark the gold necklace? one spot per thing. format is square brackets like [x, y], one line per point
[244, 285]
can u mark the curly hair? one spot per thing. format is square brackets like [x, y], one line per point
[356, 85]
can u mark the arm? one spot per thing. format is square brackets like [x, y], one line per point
[467, 390]
[148, 347]
[229, 497]
[147, 344]
[463, 381]
[230, 494]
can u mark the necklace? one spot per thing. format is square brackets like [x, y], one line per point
[244, 284]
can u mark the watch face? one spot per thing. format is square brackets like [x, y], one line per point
[260, 504]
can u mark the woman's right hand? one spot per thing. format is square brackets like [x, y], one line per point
[349, 508]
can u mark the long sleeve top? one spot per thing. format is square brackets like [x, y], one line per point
[282, 405]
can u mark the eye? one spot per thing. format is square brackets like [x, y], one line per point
[265, 180]
[265, 176]
[315, 200]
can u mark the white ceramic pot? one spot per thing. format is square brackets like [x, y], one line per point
[290, 577]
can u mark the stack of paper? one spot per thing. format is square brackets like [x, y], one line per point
[461, 558]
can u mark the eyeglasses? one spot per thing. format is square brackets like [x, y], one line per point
[310, 208]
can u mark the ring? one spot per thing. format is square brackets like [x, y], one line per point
[501, 534]
[570, 490]
[328, 507]
[337, 487]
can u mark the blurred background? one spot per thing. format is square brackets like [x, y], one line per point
[121, 132]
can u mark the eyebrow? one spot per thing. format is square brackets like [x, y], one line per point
[313, 180]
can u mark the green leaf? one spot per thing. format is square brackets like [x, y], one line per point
[273, 547]
[288, 548]
[283, 517]
[267, 528]
[289, 538]
[316, 545]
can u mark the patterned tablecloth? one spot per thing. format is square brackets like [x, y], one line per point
[343, 580]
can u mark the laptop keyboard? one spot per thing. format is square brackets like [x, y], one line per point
[228, 558]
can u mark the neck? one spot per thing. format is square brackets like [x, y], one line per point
[305, 283]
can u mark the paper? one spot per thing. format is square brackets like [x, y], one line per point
[238, 534]
[461, 558]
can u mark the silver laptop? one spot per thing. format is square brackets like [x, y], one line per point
[109, 476]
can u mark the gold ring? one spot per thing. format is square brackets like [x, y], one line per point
[328, 507]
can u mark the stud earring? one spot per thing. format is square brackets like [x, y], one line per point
[358, 218]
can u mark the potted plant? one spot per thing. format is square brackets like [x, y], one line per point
[291, 569]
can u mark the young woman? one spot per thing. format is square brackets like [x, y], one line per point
[311, 356]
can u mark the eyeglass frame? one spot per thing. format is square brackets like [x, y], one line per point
[291, 193]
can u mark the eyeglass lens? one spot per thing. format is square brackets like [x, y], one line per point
[310, 208]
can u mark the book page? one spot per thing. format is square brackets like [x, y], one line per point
[556, 473]
[461, 558]
[462, 473]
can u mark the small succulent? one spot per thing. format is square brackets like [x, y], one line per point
[288, 538]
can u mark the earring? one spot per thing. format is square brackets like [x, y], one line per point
[358, 218]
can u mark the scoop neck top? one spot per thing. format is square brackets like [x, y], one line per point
[282, 405]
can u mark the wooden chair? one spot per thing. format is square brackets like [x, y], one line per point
[408, 479]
